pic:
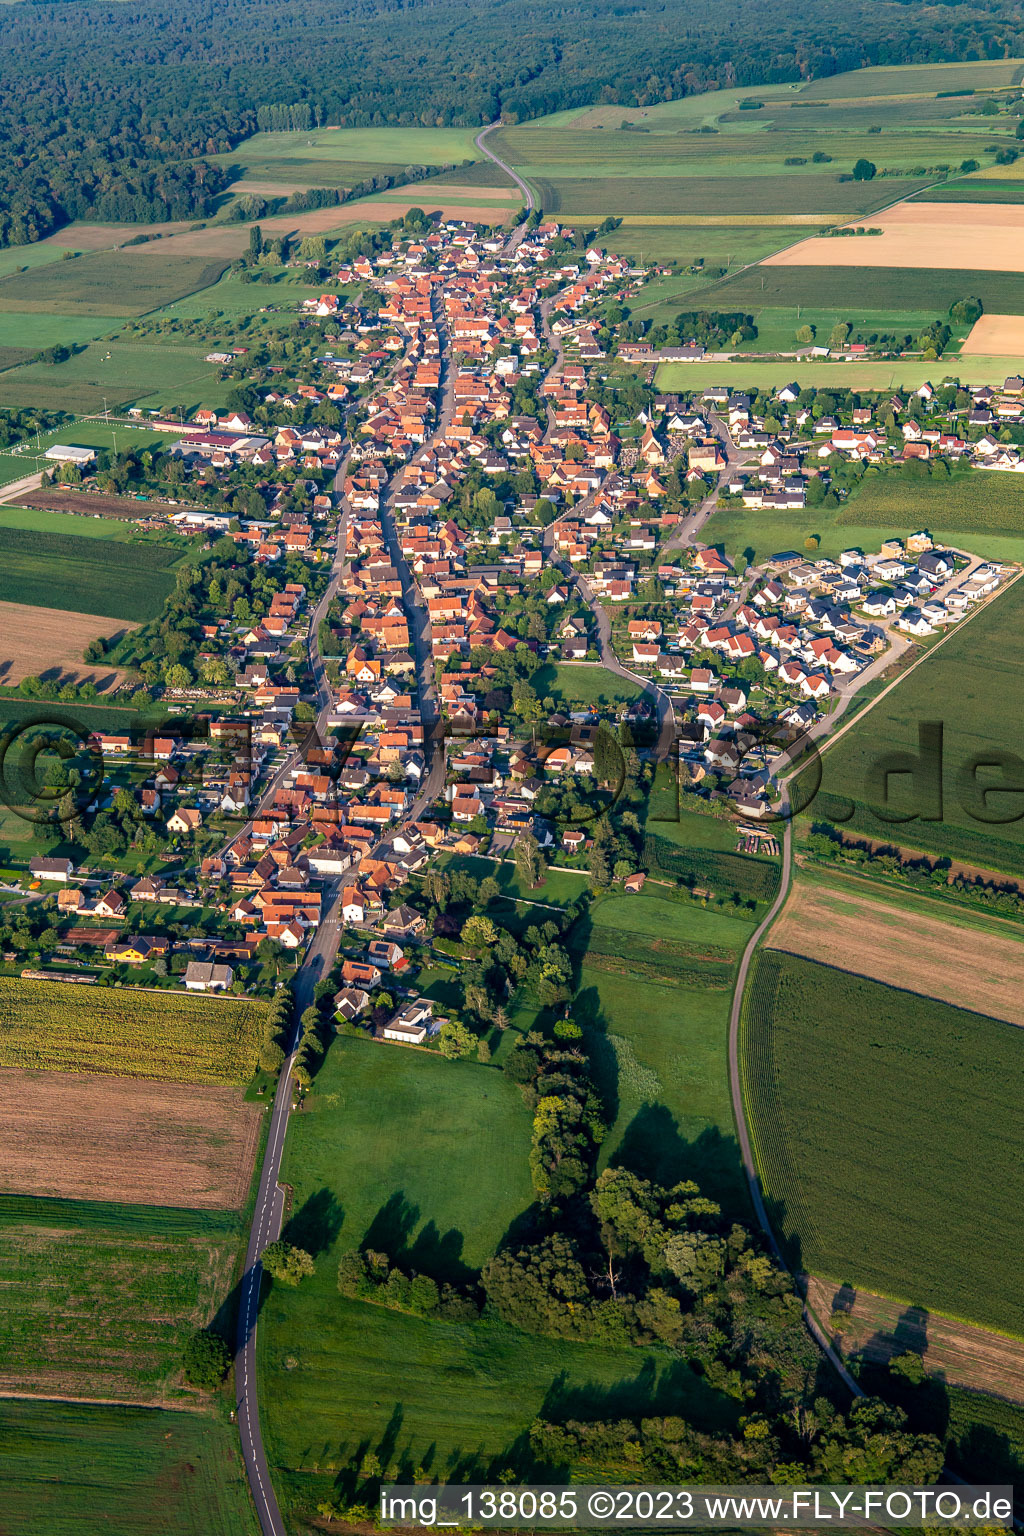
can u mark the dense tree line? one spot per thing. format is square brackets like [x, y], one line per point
[134, 98]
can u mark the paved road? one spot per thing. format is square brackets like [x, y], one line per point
[269, 1212]
[517, 235]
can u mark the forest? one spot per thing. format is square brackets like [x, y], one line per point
[107, 110]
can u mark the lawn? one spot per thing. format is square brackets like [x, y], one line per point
[171, 1036]
[569, 683]
[116, 580]
[76, 1469]
[99, 1300]
[558, 889]
[655, 987]
[889, 1134]
[107, 282]
[972, 686]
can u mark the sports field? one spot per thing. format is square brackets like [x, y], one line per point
[98, 1299]
[75, 1469]
[971, 686]
[889, 1133]
[170, 1036]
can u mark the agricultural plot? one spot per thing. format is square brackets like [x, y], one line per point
[688, 241]
[29, 332]
[994, 335]
[169, 1036]
[882, 376]
[905, 947]
[340, 157]
[75, 1469]
[982, 502]
[38, 641]
[81, 1137]
[104, 282]
[896, 289]
[99, 1300]
[64, 572]
[736, 875]
[983, 237]
[913, 1189]
[972, 687]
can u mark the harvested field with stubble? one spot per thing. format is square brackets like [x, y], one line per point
[904, 948]
[995, 336]
[983, 236]
[876, 1329]
[167, 1036]
[37, 640]
[75, 1136]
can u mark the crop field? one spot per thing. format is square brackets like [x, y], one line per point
[80, 1137]
[120, 373]
[815, 374]
[89, 284]
[987, 1436]
[37, 641]
[980, 502]
[63, 571]
[169, 1036]
[687, 242]
[879, 937]
[724, 874]
[655, 986]
[76, 1469]
[972, 686]
[338, 157]
[980, 236]
[889, 1133]
[902, 79]
[995, 334]
[98, 1300]
[877, 1328]
[971, 189]
[887, 288]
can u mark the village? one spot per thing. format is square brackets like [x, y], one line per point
[469, 508]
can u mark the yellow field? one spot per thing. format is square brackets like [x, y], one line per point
[984, 237]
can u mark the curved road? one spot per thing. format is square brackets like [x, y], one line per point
[517, 234]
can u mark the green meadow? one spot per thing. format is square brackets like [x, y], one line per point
[339, 157]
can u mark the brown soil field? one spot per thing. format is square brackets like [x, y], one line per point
[38, 641]
[83, 1137]
[904, 948]
[877, 1328]
[995, 336]
[984, 237]
[104, 237]
[92, 504]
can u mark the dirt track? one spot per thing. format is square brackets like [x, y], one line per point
[37, 641]
[878, 1328]
[986, 237]
[888, 943]
[83, 1137]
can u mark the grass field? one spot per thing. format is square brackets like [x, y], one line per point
[172, 1036]
[398, 1189]
[61, 571]
[753, 534]
[817, 374]
[99, 1299]
[339, 157]
[63, 524]
[71, 1469]
[912, 1190]
[972, 686]
[655, 985]
[105, 282]
[583, 685]
[15, 465]
[120, 373]
[558, 889]
[27, 332]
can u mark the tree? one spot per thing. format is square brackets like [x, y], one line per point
[255, 243]
[478, 932]
[455, 1041]
[527, 858]
[864, 170]
[967, 310]
[489, 890]
[805, 335]
[284, 1262]
[205, 1360]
